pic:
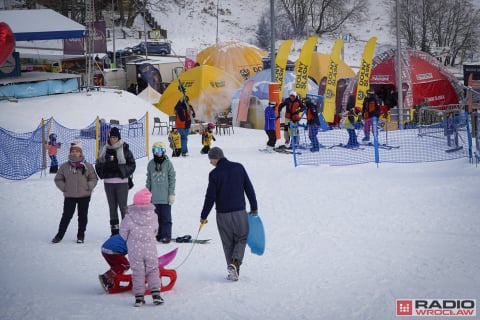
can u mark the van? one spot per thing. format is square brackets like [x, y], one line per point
[153, 47]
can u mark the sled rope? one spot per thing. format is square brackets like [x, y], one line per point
[194, 242]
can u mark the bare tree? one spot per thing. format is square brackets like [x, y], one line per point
[329, 15]
[297, 13]
[322, 16]
[426, 24]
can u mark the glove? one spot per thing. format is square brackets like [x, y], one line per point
[203, 221]
[254, 213]
[171, 199]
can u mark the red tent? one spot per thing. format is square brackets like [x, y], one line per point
[423, 78]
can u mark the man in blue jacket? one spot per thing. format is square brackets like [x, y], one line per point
[228, 184]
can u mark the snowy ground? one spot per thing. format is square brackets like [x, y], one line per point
[342, 242]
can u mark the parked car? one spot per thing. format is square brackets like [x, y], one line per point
[154, 47]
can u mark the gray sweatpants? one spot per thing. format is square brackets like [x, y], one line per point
[233, 230]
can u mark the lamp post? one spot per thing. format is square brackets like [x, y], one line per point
[272, 42]
[113, 37]
[399, 70]
[217, 22]
[145, 27]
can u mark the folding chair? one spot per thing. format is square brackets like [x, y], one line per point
[158, 124]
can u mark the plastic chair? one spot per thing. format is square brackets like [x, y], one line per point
[171, 121]
[158, 124]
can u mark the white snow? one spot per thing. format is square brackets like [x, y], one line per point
[342, 242]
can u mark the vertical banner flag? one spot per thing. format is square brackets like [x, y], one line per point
[301, 71]
[331, 85]
[363, 77]
[280, 66]
[190, 57]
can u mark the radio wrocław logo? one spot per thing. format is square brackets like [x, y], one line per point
[436, 307]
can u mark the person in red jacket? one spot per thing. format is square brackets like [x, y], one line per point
[184, 113]
[293, 109]
[371, 109]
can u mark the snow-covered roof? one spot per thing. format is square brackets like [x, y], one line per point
[41, 24]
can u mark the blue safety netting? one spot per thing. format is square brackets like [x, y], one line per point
[417, 143]
[24, 154]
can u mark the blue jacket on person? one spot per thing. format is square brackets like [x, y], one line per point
[117, 244]
[270, 118]
[228, 184]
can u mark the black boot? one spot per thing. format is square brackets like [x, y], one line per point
[114, 227]
[53, 169]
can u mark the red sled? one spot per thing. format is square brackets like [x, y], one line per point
[123, 282]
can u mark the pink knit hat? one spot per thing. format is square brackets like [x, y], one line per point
[142, 197]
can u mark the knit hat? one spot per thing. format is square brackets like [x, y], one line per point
[76, 145]
[142, 197]
[114, 132]
[215, 153]
[293, 93]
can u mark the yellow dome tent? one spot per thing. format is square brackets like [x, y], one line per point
[242, 60]
[209, 89]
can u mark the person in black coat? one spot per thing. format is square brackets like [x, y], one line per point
[115, 164]
[228, 184]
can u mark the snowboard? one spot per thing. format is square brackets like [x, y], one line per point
[256, 235]
[188, 239]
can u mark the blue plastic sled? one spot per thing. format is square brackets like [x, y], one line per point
[256, 235]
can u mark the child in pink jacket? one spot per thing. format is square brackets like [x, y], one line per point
[139, 228]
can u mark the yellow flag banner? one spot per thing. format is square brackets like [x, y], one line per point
[331, 86]
[280, 67]
[281, 64]
[301, 70]
[363, 77]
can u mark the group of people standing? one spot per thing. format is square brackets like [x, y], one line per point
[149, 219]
[295, 108]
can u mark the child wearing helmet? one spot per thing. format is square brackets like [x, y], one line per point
[52, 150]
[161, 183]
[175, 141]
[207, 138]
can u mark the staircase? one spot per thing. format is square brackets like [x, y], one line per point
[150, 19]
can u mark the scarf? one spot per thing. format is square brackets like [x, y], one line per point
[76, 164]
[118, 147]
[158, 162]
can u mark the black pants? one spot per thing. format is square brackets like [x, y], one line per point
[272, 137]
[69, 206]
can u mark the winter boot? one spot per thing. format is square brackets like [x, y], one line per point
[157, 299]
[114, 226]
[139, 301]
[106, 285]
[57, 238]
[53, 169]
